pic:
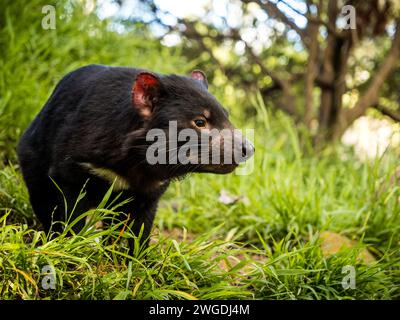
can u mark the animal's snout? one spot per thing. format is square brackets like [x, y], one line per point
[247, 149]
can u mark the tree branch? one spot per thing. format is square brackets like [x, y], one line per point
[292, 8]
[287, 102]
[310, 74]
[371, 95]
[274, 11]
[388, 112]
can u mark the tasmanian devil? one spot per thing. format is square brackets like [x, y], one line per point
[94, 129]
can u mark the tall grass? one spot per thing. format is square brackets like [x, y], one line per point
[264, 248]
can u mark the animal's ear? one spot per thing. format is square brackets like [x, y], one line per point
[145, 91]
[200, 76]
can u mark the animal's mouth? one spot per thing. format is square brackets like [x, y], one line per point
[219, 168]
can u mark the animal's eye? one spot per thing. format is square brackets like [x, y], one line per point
[200, 123]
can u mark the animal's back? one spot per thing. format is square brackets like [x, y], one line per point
[37, 139]
[62, 106]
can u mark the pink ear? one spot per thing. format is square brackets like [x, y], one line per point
[144, 90]
[200, 76]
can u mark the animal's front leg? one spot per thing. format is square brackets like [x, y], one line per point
[141, 212]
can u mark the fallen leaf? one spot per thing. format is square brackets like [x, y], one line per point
[226, 198]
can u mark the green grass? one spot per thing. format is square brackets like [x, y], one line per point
[264, 248]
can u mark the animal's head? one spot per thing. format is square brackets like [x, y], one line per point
[186, 128]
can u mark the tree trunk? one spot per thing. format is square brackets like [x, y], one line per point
[333, 85]
[310, 73]
[371, 96]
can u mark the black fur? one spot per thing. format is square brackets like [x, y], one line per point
[90, 118]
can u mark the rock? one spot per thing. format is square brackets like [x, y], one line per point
[332, 243]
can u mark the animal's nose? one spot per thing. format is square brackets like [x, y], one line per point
[247, 149]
